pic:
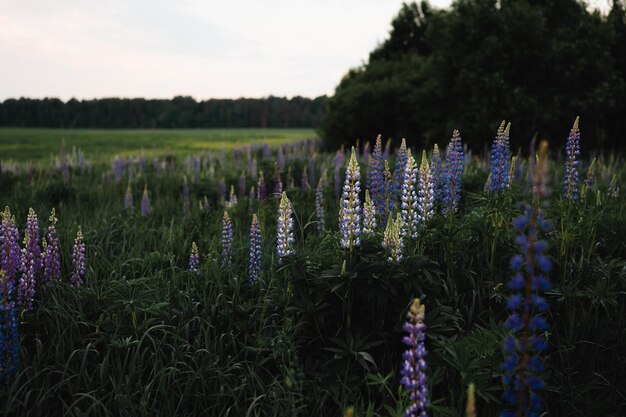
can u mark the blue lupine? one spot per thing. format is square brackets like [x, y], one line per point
[426, 192]
[398, 173]
[227, 240]
[436, 169]
[284, 231]
[408, 205]
[455, 161]
[145, 202]
[194, 259]
[527, 324]
[500, 160]
[254, 266]
[319, 204]
[369, 215]
[572, 150]
[414, 379]
[128, 198]
[78, 260]
[350, 206]
[186, 203]
[52, 257]
[9, 336]
[376, 180]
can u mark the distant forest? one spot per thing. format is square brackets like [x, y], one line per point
[179, 112]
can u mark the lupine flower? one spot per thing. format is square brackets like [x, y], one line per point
[11, 254]
[265, 150]
[232, 200]
[194, 259]
[522, 364]
[290, 181]
[254, 267]
[413, 371]
[376, 178]
[280, 158]
[52, 258]
[511, 171]
[369, 215]
[304, 181]
[227, 240]
[572, 150]
[32, 229]
[119, 168]
[350, 206]
[319, 204]
[426, 192]
[338, 165]
[128, 198]
[589, 181]
[613, 189]
[186, 204]
[398, 173]
[196, 170]
[311, 170]
[78, 260]
[251, 196]
[436, 169]
[500, 159]
[284, 239]
[26, 289]
[254, 175]
[409, 199]
[453, 172]
[9, 336]
[388, 194]
[387, 149]
[392, 239]
[143, 162]
[242, 184]
[145, 202]
[261, 190]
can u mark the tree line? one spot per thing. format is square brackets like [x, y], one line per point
[179, 112]
[535, 63]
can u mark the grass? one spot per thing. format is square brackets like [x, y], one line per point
[37, 145]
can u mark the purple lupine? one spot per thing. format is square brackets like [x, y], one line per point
[145, 202]
[242, 184]
[254, 262]
[128, 198]
[338, 164]
[131, 168]
[266, 151]
[26, 289]
[369, 215]
[9, 335]
[194, 259]
[284, 231]
[522, 367]
[572, 150]
[408, 206]
[500, 160]
[376, 178]
[319, 204]
[143, 161]
[11, 254]
[455, 161]
[186, 203]
[119, 168]
[350, 206]
[426, 192]
[398, 173]
[261, 190]
[436, 169]
[32, 229]
[304, 181]
[78, 260]
[413, 371]
[392, 239]
[227, 240]
[52, 257]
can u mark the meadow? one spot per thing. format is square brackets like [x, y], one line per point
[260, 278]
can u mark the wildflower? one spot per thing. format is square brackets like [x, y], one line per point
[451, 192]
[242, 184]
[227, 240]
[78, 260]
[392, 239]
[194, 259]
[376, 176]
[119, 168]
[9, 335]
[398, 173]
[413, 371]
[145, 202]
[222, 190]
[350, 206]
[280, 158]
[522, 365]
[261, 190]
[304, 181]
[10, 252]
[589, 181]
[511, 171]
[186, 204]
[409, 199]
[128, 198]
[572, 150]
[232, 200]
[284, 239]
[254, 269]
[500, 159]
[319, 204]
[253, 170]
[426, 193]
[51, 259]
[388, 194]
[369, 215]
[311, 170]
[436, 173]
[278, 183]
[251, 195]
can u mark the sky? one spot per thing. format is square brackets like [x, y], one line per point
[200, 48]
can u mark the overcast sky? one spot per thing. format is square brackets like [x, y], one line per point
[201, 48]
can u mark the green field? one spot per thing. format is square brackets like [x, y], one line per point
[38, 144]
